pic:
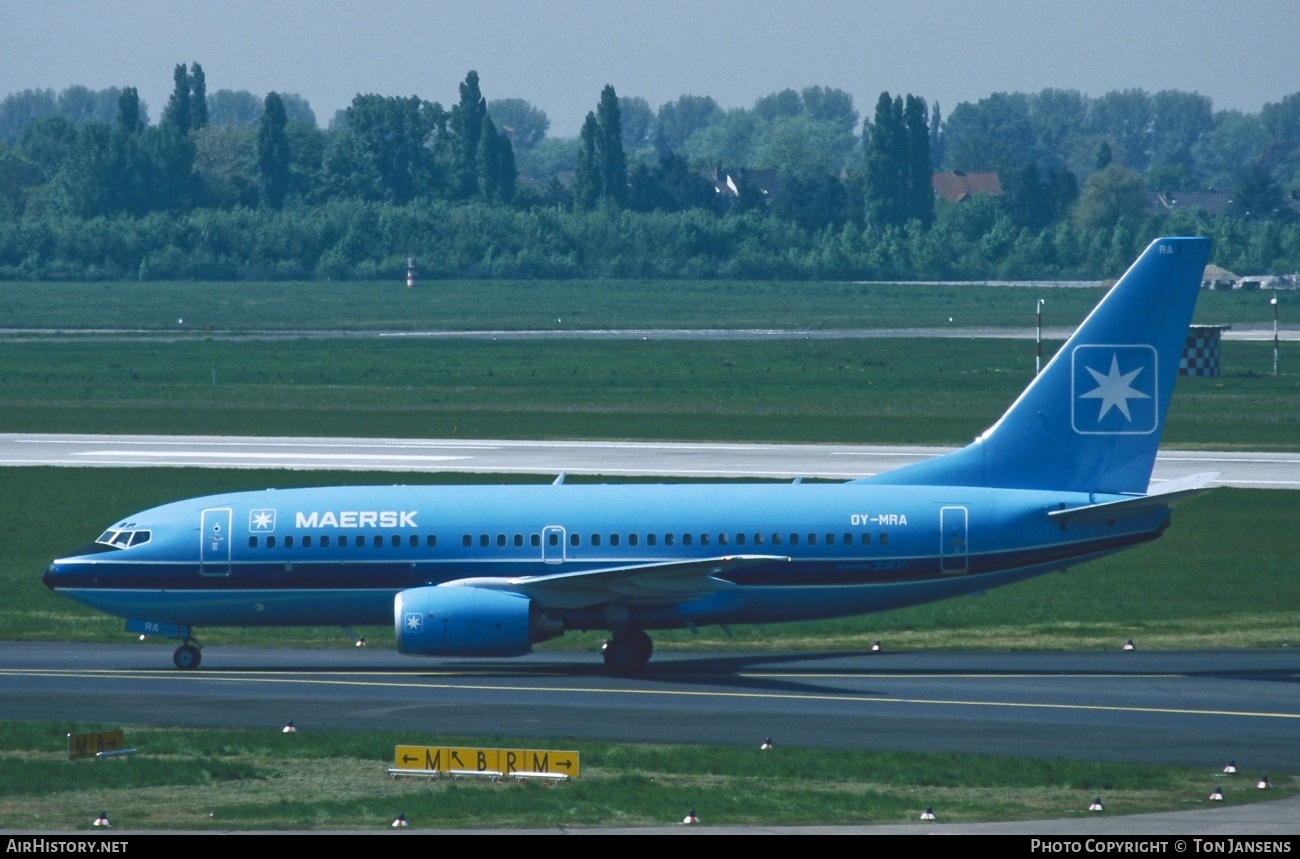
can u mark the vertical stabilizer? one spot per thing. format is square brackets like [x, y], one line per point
[1091, 421]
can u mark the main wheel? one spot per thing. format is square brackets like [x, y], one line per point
[627, 652]
[187, 657]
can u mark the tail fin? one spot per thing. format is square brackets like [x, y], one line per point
[1091, 421]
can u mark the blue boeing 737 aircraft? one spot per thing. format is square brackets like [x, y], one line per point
[1062, 478]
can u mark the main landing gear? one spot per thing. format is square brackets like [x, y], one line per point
[627, 651]
[187, 656]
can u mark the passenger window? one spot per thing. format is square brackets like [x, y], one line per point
[252, 542]
[396, 542]
[414, 542]
[536, 540]
[722, 539]
[669, 539]
[866, 538]
[501, 541]
[884, 539]
[324, 541]
[519, 540]
[270, 542]
[704, 539]
[431, 541]
[794, 539]
[848, 539]
[574, 539]
[686, 539]
[343, 541]
[812, 539]
[467, 541]
[288, 542]
[484, 540]
[595, 539]
[632, 539]
[776, 539]
[830, 539]
[651, 540]
[740, 539]
[613, 539]
[306, 541]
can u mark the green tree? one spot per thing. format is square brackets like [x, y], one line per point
[234, 107]
[523, 124]
[637, 121]
[177, 113]
[18, 174]
[1258, 194]
[1108, 196]
[587, 175]
[885, 159]
[677, 120]
[1282, 119]
[917, 173]
[198, 98]
[1179, 120]
[1125, 118]
[386, 152]
[497, 171]
[47, 142]
[613, 161]
[273, 155]
[467, 119]
[129, 119]
[898, 171]
[225, 165]
[996, 135]
[1237, 138]
[19, 108]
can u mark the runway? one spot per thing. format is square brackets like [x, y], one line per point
[1272, 470]
[1200, 708]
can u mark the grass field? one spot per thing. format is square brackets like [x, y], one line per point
[264, 780]
[549, 305]
[856, 391]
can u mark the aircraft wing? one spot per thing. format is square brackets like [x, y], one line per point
[1165, 494]
[640, 584]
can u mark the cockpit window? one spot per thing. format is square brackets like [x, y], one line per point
[123, 538]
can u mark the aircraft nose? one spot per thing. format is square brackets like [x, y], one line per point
[47, 578]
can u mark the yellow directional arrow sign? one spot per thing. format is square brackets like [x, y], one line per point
[505, 761]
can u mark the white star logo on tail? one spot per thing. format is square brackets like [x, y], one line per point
[1121, 400]
[1114, 389]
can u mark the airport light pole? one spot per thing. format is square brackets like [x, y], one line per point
[1273, 301]
[1038, 339]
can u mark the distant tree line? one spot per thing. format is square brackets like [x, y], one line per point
[230, 185]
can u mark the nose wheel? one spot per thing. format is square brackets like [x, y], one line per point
[187, 657]
[627, 651]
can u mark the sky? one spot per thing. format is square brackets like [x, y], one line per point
[559, 54]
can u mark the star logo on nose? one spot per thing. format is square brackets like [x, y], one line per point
[261, 520]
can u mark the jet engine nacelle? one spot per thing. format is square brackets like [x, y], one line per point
[468, 621]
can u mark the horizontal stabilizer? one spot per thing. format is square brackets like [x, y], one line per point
[1166, 495]
[642, 584]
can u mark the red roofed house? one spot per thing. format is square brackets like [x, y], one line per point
[959, 185]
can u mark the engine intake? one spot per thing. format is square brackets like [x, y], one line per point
[468, 621]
